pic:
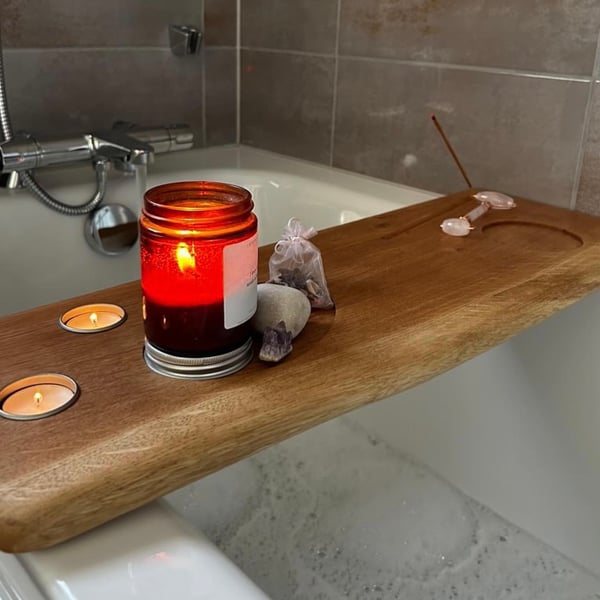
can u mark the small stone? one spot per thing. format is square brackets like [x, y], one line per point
[277, 343]
[278, 303]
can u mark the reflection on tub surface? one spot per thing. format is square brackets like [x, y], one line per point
[335, 513]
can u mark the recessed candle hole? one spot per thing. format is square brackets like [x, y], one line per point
[92, 318]
[37, 397]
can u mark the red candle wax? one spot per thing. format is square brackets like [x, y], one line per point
[199, 265]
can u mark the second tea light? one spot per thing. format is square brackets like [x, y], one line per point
[92, 318]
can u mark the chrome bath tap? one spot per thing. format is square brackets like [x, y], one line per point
[124, 146]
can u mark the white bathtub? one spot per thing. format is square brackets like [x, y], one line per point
[379, 503]
[47, 259]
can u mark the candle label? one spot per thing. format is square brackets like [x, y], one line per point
[240, 270]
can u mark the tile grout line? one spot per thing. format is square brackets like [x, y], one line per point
[288, 51]
[380, 59]
[425, 64]
[79, 49]
[335, 82]
[587, 118]
[238, 72]
[203, 79]
[473, 68]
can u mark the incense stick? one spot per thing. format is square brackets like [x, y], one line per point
[449, 146]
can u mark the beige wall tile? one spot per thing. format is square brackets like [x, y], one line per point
[56, 92]
[220, 22]
[588, 196]
[75, 66]
[221, 99]
[287, 103]
[80, 23]
[517, 134]
[557, 36]
[307, 25]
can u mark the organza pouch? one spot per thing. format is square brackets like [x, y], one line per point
[296, 262]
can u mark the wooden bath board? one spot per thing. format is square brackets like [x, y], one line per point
[411, 303]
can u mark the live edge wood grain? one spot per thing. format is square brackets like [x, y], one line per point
[411, 303]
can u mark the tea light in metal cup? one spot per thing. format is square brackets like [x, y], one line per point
[92, 318]
[37, 397]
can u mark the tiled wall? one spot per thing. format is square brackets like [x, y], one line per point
[75, 66]
[352, 83]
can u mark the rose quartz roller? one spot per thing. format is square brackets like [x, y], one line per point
[462, 226]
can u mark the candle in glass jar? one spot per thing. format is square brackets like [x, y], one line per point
[92, 318]
[38, 396]
[199, 253]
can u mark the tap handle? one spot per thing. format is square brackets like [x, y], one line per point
[120, 146]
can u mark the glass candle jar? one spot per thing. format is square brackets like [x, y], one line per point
[199, 256]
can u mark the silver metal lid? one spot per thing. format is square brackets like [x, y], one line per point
[203, 367]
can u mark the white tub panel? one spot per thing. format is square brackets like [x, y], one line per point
[15, 583]
[517, 428]
[150, 554]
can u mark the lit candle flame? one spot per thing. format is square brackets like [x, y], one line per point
[185, 259]
[94, 319]
[37, 398]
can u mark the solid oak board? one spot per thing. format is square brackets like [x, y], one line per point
[411, 302]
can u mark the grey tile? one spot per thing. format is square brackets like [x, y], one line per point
[287, 103]
[588, 194]
[517, 134]
[307, 25]
[220, 22]
[221, 101]
[83, 90]
[557, 36]
[67, 23]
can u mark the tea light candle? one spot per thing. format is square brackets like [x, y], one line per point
[93, 318]
[37, 396]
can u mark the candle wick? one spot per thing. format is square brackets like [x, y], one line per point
[37, 398]
[94, 319]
